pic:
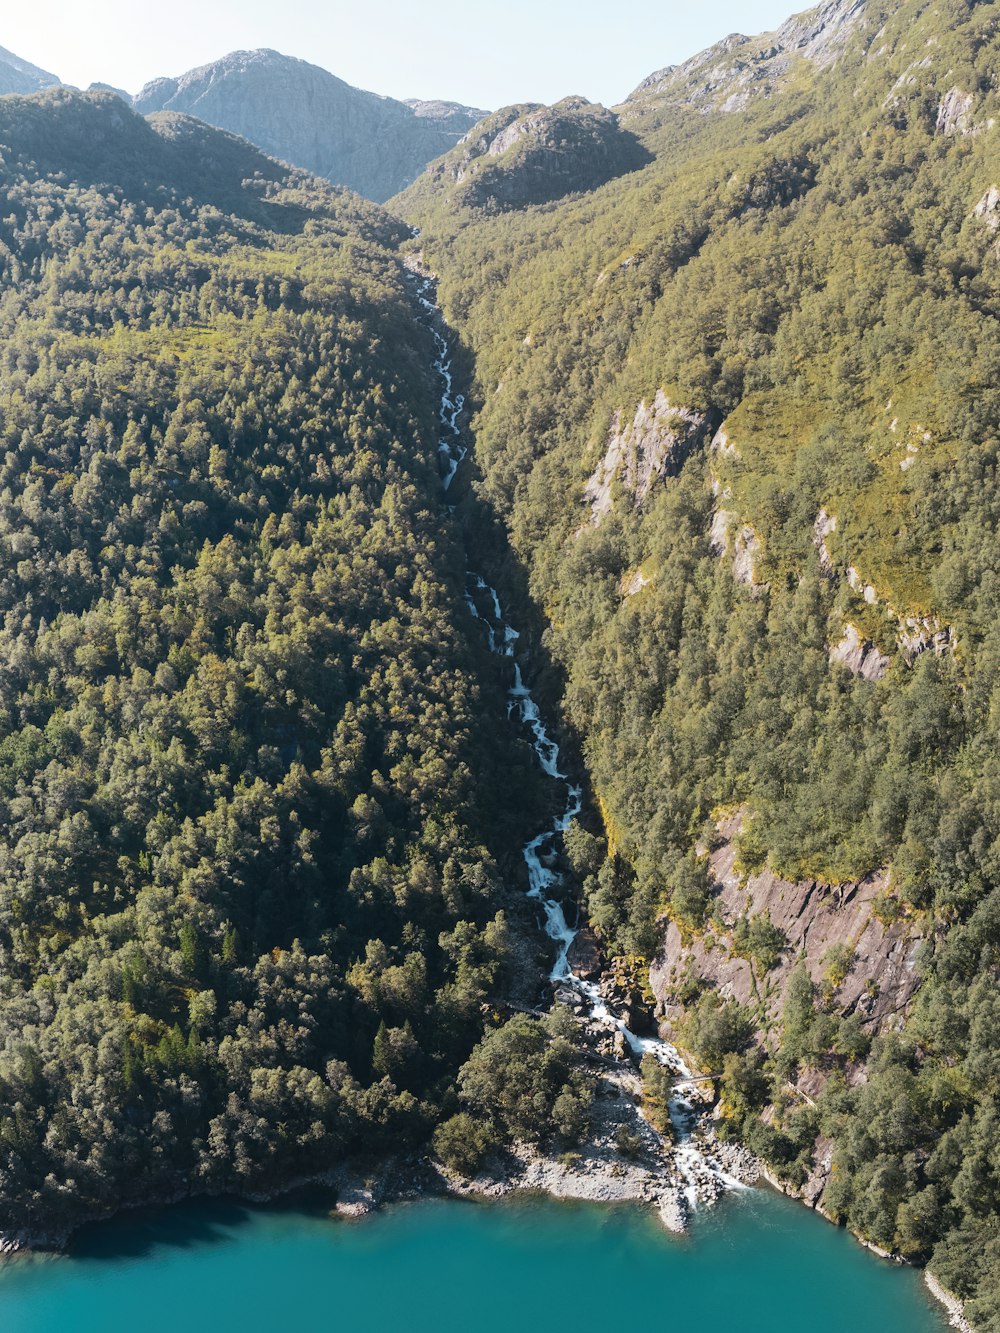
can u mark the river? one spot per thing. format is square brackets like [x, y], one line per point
[702, 1178]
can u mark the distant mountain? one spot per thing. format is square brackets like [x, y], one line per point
[19, 76]
[726, 76]
[530, 154]
[306, 116]
[96, 141]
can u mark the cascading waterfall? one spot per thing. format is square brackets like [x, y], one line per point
[696, 1169]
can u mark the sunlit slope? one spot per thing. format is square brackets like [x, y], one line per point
[248, 895]
[739, 410]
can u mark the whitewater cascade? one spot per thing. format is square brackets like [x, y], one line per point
[483, 602]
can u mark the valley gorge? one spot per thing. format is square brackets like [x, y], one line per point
[499, 677]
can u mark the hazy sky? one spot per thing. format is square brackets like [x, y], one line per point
[464, 50]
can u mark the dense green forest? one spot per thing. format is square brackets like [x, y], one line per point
[817, 274]
[734, 359]
[251, 847]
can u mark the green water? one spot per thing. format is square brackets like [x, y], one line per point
[755, 1263]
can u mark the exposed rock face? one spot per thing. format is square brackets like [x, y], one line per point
[825, 525]
[654, 444]
[530, 154]
[730, 73]
[746, 547]
[822, 33]
[867, 590]
[954, 113]
[819, 1175]
[444, 112]
[304, 115]
[859, 655]
[19, 76]
[727, 535]
[914, 634]
[987, 211]
[718, 533]
[919, 634]
[722, 444]
[880, 984]
[633, 583]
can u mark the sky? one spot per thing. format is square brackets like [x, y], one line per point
[484, 55]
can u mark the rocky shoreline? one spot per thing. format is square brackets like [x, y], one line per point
[952, 1303]
[954, 1307]
[624, 1159]
[598, 1173]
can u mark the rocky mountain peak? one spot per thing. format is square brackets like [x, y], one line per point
[303, 114]
[529, 154]
[20, 76]
[727, 75]
[442, 111]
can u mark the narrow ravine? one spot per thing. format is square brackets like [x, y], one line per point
[702, 1178]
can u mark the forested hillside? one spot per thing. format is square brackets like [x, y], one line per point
[250, 899]
[739, 411]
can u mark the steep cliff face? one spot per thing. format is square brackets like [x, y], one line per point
[653, 444]
[304, 115]
[20, 76]
[880, 978]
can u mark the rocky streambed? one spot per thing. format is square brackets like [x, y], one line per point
[624, 1158]
[679, 1171]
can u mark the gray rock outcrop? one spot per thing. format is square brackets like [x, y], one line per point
[652, 445]
[883, 977]
[859, 655]
[746, 548]
[987, 211]
[304, 115]
[825, 526]
[954, 112]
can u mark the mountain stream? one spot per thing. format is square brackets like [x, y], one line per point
[702, 1178]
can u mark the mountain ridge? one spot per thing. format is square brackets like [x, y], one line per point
[740, 66]
[21, 76]
[301, 113]
[528, 154]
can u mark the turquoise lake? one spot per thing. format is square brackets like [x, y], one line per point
[756, 1263]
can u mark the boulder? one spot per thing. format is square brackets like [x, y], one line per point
[585, 956]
